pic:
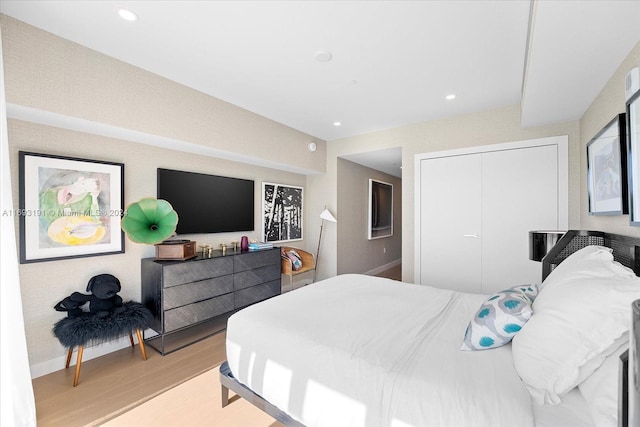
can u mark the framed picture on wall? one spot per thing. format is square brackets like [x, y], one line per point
[380, 218]
[607, 170]
[633, 150]
[69, 207]
[282, 212]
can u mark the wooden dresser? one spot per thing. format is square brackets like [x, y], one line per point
[191, 300]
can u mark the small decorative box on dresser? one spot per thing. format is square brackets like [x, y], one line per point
[192, 299]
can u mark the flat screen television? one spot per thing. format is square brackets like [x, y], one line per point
[208, 203]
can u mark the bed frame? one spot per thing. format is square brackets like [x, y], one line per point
[228, 382]
[626, 250]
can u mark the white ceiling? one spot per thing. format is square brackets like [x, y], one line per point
[393, 62]
[388, 161]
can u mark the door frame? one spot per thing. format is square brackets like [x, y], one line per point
[561, 143]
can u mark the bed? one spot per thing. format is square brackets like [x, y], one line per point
[356, 350]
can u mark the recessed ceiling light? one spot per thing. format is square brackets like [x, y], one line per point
[336, 124]
[127, 15]
[450, 97]
[323, 56]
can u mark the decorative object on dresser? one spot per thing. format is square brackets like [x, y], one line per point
[282, 212]
[325, 215]
[69, 207]
[176, 250]
[191, 300]
[149, 221]
[244, 243]
[607, 169]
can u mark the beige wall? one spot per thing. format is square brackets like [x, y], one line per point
[489, 127]
[609, 103]
[48, 73]
[52, 75]
[45, 283]
[361, 255]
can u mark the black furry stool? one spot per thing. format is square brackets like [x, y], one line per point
[88, 328]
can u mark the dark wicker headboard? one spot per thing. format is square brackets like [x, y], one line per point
[626, 249]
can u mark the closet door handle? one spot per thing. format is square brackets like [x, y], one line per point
[472, 236]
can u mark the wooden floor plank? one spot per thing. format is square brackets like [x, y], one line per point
[112, 384]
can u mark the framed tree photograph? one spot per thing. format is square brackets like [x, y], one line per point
[282, 212]
[633, 149]
[69, 207]
[607, 170]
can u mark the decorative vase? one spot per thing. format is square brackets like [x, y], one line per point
[244, 244]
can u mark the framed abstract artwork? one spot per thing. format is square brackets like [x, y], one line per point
[607, 170]
[633, 150]
[69, 207]
[282, 212]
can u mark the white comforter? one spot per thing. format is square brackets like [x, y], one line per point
[357, 350]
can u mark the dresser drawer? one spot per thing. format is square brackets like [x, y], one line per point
[250, 260]
[197, 312]
[256, 276]
[193, 271]
[180, 295]
[248, 296]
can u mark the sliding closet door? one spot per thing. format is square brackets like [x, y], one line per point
[450, 206]
[519, 194]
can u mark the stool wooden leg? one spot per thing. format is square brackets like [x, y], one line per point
[131, 339]
[69, 357]
[76, 377]
[141, 343]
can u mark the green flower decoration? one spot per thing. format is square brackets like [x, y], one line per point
[149, 221]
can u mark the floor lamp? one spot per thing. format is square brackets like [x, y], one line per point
[324, 216]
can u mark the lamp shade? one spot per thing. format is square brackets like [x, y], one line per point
[149, 221]
[541, 242]
[327, 216]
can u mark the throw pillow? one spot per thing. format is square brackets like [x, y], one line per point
[499, 318]
[296, 261]
[582, 315]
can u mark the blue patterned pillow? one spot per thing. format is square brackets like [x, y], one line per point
[499, 318]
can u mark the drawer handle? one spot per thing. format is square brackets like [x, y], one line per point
[472, 236]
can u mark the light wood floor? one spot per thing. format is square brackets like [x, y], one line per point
[117, 382]
[394, 273]
[114, 383]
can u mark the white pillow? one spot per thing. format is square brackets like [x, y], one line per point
[581, 312]
[499, 318]
[600, 390]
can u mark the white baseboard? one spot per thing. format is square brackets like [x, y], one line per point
[52, 365]
[384, 267]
